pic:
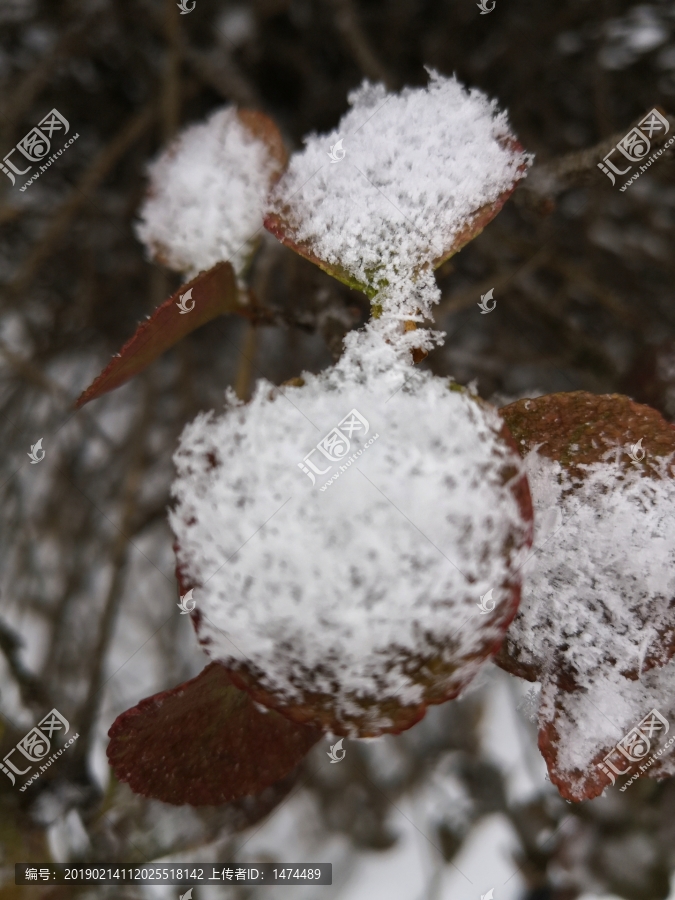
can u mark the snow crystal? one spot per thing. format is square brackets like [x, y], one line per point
[207, 192]
[598, 599]
[336, 590]
[417, 166]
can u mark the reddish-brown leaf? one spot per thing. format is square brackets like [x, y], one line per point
[204, 743]
[438, 675]
[475, 223]
[577, 429]
[214, 293]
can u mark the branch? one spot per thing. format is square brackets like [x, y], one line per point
[546, 181]
[347, 22]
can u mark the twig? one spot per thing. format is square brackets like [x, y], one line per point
[171, 82]
[88, 712]
[32, 690]
[548, 180]
[355, 37]
[85, 187]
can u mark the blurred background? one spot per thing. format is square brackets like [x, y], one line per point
[583, 278]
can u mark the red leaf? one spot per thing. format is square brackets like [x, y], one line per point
[475, 223]
[214, 293]
[204, 743]
[578, 429]
[438, 675]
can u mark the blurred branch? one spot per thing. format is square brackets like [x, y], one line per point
[87, 714]
[546, 181]
[33, 691]
[349, 26]
[171, 92]
[80, 194]
[17, 98]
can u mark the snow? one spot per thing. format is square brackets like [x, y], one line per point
[206, 196]
[345, 591]
[352, 584]
[597, 599]
[416, 168]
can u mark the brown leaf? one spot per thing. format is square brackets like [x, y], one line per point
[442, 675]
[578, 429]
[204, 743]
[214, 293]
[475, 223]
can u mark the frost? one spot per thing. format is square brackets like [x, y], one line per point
[417, 168]
[597, 611]
[206, 196]
[352, 591]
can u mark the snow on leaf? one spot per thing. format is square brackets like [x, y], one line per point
[596, 626]
[423, 172]
[204, 743]
[208, 189]
[348, 599]
[213, 293]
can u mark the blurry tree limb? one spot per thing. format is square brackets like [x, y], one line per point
[467, 296]
[88, 712]
[33, 691]
[349, 26]
[80, 194]
[547, 180]
[218, 71]
[18, 98]
[214, 68]
[171, 93]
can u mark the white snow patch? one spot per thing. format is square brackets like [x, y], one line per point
[604, 565]
[331, 590]
[417, 167]
[206, 197]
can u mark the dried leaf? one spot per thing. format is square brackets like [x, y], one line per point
[211, 294]
[204, 743]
